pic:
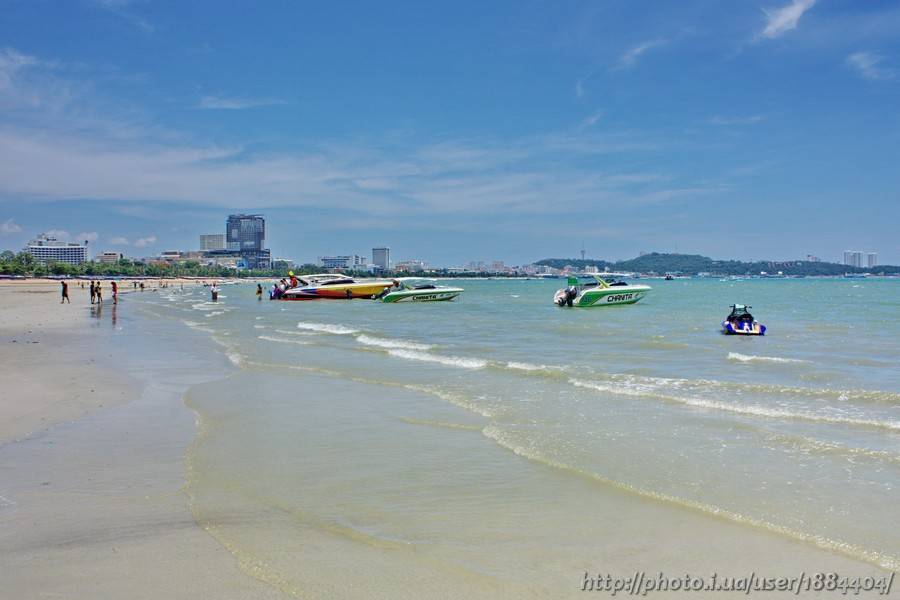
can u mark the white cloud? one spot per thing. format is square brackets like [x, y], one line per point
[225, 103]
[60, 234]
[784, 19]
[145, 241]
[119, 241]
[866, 64]
[9, 227]
[631, 56]
[89, 236]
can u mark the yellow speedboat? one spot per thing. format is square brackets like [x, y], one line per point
[334, 286]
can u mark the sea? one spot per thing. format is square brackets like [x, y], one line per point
[498, 445]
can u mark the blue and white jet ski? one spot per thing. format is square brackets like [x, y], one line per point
[741, 322]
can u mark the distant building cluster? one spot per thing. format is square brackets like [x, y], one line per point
[857, 258]
[242, 246]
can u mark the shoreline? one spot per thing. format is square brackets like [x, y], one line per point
[92, 500]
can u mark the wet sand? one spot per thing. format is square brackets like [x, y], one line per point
[91, 459]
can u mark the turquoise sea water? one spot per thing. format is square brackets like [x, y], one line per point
[362, 430]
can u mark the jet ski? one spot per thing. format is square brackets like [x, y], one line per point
[741, 322]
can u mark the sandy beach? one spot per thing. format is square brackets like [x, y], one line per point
[91, 484]
[166, 448]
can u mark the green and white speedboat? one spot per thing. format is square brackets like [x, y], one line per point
[418, 289]
[599, 293]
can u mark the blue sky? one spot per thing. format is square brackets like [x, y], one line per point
[456, 131]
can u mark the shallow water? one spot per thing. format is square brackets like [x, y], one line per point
[459, 436]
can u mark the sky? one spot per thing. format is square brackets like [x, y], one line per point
[455, 131]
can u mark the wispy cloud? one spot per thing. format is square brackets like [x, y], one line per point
[145, 241]
[87, 236]
[234, 103]
[632, 55]
[747, 120]
[866, 64]
[784, 19]
[119, 241]
[9, 227]
[60, 234]
[124, 9]
[592, 119]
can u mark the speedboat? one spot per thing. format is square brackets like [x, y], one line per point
[741, 322]
[334, 286]
[599, 292]
[418, 289]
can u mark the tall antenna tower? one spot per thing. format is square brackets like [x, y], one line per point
[582, 250]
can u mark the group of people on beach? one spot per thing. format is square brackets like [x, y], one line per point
[97, 292]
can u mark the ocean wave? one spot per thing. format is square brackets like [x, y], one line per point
[745, 409]
[368, 340]
[270, 338]
[214, 313]
[259, 327]
[753, 358]
[529, 452]
[450, 361]
[326, 328]
[441, 424]
[452, 398]
[235, 358]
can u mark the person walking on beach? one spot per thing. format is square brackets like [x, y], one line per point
[115, 293]
[99, 292]
[93, 292]
[142, 286]
[65, 293]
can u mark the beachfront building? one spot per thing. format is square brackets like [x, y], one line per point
[246, 234]
[853, 258]
[381, 258]
[109, 258]
[212, 241]
[46, 249]
[353, 262]
[412, 266]
[871, 259]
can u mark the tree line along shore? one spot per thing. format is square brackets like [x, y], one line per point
[23, 264]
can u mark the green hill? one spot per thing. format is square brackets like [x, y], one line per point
[691, 264]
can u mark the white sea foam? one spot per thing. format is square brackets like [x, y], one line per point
[450, 361]
[326, 328]
[215, 313]
[270, 338]
[368, 340]
[523, 366]
[289, 332]
[235, 358]
[753, 358]
[259, 327]
[745, 409]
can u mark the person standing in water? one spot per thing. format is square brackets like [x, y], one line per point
[99, 292]
[93, 292]
[65, 293]
[259, 291]
[115, 293]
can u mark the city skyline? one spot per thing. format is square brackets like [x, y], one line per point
[767, 129]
